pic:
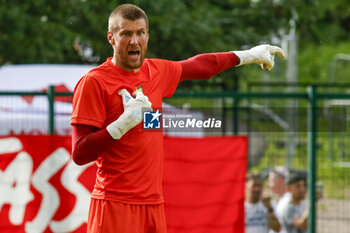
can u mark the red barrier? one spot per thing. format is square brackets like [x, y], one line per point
[204, 184]
[42, 190]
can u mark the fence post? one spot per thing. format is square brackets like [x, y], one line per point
[235, 105]
[249, 121]
[224, 112]
[235, 115]
[51, 99]
[312, 147]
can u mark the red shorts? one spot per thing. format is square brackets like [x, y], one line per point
[113, 217]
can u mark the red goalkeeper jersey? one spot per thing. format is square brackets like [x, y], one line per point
[129, 171]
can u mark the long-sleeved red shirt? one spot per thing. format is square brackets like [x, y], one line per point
[88, 140]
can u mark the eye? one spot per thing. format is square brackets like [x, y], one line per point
[140, 33]
[126, 33]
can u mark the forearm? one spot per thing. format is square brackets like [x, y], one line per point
[273, 222]
[301, 223]
[87, 142]
[205, 66]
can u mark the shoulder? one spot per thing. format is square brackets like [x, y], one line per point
[262, 207]
[99, 72]
[156, 61]
[95, 75]
[88, 79]
[160, 63]
[90, 82]
[283, 201]
[285, 197]
[259, 206]
[169, 68]
[286, 207]
[290, 211]
[248, 205]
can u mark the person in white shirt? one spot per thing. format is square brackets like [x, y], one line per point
[276, 183]
[259, 214]
[294, 214]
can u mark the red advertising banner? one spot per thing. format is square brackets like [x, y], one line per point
[204, 184]
[43, 190]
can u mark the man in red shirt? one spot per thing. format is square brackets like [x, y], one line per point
[107, 112]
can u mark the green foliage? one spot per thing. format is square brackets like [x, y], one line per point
[44, 31]
[39, 31]
[315, 62]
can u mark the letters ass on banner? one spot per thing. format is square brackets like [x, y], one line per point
[42, 190]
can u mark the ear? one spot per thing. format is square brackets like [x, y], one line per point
[110, 38]
[147, 36]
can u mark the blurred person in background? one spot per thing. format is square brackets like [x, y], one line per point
[259, 213]
[277, 184]
[294, 215]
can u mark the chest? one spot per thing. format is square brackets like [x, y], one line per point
[256, 215]
[114, 104]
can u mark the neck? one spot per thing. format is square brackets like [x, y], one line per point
[250, 200]
[295, 201]
[282, 191]
[114, 61]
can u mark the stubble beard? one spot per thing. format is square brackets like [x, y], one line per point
[123, 58]
[255, 197]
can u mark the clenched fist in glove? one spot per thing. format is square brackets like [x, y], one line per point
[132, 114]
[262, 55]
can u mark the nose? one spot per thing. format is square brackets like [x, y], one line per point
[134, 39]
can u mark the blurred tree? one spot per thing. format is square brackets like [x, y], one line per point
[74, 31]
[39, 31]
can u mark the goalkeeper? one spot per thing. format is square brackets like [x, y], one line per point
[127, 196]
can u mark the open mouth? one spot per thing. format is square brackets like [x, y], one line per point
[134, 53]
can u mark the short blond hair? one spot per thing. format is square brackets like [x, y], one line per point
[125, 11]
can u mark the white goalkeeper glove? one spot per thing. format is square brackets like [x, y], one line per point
[132, 115]
[262, 55]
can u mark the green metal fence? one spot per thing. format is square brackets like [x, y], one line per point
[313, 98]
[230, 105]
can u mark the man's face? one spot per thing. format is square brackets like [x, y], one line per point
[298, 189]
[275, 182]
[130, 43]
[254, 188]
